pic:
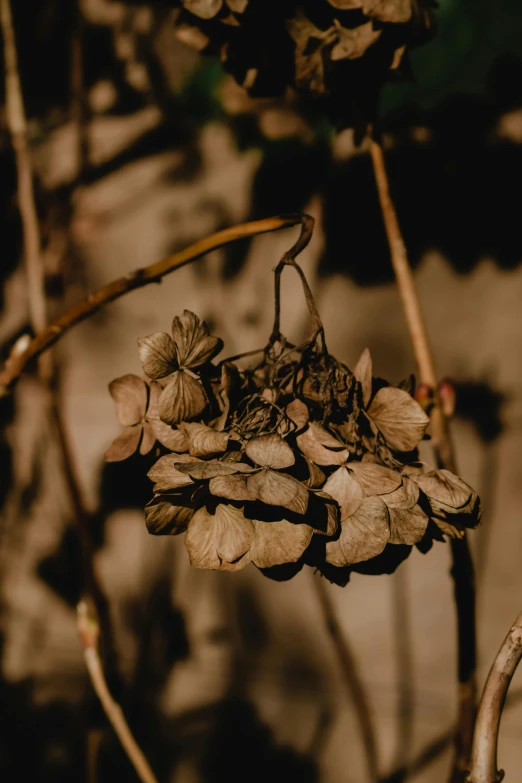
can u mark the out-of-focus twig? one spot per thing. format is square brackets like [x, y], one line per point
[485, 741]
[89, 633]
[462, 564]
[137, 279]
[351, 677]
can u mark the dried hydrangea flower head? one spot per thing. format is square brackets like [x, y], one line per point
[285, 461]
[339, 51]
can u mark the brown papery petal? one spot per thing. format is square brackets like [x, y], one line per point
[203, 440]
[363, 535]
[166, 476]
[375, 479]
[231, 488]
[276, 543]
[404, 496]
[130, 398]
[219, 541]
[158, 355]
[195, 345]
[445, 487]
[170, 437]
[363, 373]
[208, 470]
[313, 449]
[298, 413]
[124, 445]
[270, 451]
[345, 5]
[343, 488]
[399, 418]
[407, 525]
[148, 440]
[205, 9]
[163, 517]
[316, 476]
[332, 514]
[238, 6]
[182, 398]
[353, 42]
[396, 11]
[278, 489]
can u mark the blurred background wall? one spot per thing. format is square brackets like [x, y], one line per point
[141, 151]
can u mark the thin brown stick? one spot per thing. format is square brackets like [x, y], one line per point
[462, 564]
[485, 741]
[89, 634]
[351, 678]
[137, 279]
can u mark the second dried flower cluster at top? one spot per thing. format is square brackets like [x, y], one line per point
[294, 460]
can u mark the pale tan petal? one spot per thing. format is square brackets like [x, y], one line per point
[363, 373]
[130, 398]
[405, 496]
[231, 488]
[346, 490]
[124, 445]
[182, 398]
[203, 440]
[316, 476]
[320, 447]
[238, 6]
[444, 487]
[166, 476]
[158, 355]
[399, 418]
[205, 9]
[149, 438]
[170, 437]
[278, 489]
[219, 541]
[375, 479]
[208, 470]
[407, 525]
[275, 543]
[164, 517]
[193, 341]
[363, 535]
[298, 413]
[270, 451]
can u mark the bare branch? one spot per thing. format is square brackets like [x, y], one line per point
[89, 633]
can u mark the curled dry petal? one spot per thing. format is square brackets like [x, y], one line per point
[168, 515]
[130, 398]
[208, 470]
[316, 476]
[399, 418]
[149, 438]
[298, 413]
[326, 520]
[194, 344]
[320, 447]
[363, 535]
[407, 525]
[346, 490]
[375, 479]
[270, 451]
[166, 476]
[124, 445]
[203, 440]
[205, 9]
[219, 541]
[275, 543]
[182, 398]
[278, 489]
[231, 487]
[170, 437]
[158, 355]
[404, 496]
[363, 373]
[444, 487]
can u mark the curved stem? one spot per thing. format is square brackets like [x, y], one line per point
[485, 741]
[139, 278]
[462, 564]
[351, 678]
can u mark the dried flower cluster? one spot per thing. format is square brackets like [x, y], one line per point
[338, 50]
[293, 460]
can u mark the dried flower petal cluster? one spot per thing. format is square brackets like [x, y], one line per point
[292, 460]
[338, 50]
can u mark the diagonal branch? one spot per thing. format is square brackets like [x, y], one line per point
[137, 279]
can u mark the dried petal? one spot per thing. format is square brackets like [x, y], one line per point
[130, 397]
[363, 373]
[329, 511]
[205, 9]
[193, 341]
[375, 479]
[275, 543]
[170, 437]
[316, 476]
[397, 11]
[219, 541]
[270, 451]
[278, 489]
[182, 398]
[149, 438]
[363, 535]
[345, 490]
[124, 445]
[444, 487]
[203, 440]
[163, 515]
[166, 476]
[192, 36]
[404, 496]
[345, 5]
[158, 355]
[298, 413]
[318, 446]
[238, 6]
[399, 417]
[353, 42]
[209, 470]
[407, 525]
[231, 487]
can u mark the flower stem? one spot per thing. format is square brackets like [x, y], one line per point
[462, 564]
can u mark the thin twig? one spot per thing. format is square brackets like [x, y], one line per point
[89, 633]
[485, 740]
[137, 279]
[462, 564]
[351, 678]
